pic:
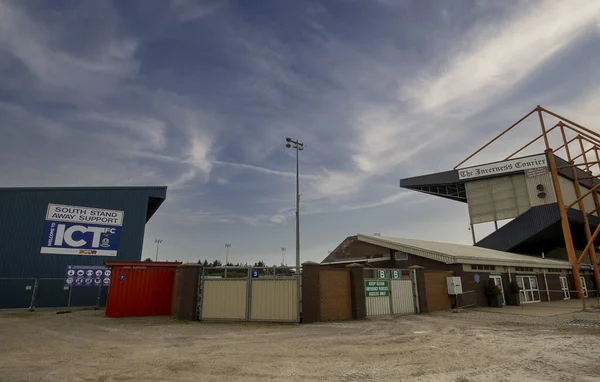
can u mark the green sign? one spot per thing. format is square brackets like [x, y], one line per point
[396, 274]
[381, 274]
[377, 288]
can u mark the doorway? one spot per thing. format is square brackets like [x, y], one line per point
[564, 286]
[498, 281]
[530, 291]
[584, 287]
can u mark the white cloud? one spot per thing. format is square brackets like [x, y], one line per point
[388, 200]
[502, 54]
[151, 131]
[199, 151]
[245, 166]
[277, 219]
[222, 181]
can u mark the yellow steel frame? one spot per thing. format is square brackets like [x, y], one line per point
[582, 136]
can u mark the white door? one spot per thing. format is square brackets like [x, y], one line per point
[585, 293]
[498, 281]
[564, 286]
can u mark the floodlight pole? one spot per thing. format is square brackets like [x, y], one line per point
[227, 246]
[299, 146]
[157, 241]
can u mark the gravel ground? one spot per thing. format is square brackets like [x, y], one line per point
[463, 346]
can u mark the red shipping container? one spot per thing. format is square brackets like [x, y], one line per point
[140, 289]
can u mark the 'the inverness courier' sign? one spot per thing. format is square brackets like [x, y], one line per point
[513, 165]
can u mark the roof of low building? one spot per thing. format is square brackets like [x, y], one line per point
[461, 254]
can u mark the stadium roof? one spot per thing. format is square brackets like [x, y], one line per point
[447, 184]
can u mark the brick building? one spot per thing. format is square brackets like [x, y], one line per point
[541, 279]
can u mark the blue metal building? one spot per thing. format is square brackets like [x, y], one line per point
[44, 230]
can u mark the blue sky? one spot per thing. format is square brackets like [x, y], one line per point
[200, 95]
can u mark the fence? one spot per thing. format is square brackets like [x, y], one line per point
[249, 294]
[466, 299]
[32, 293]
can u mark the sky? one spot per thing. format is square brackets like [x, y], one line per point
[199, 95]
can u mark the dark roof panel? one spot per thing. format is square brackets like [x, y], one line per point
[445, 184]
[539, 230]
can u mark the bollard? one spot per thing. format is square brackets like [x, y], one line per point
[99, 297]
[32, 304]
[69, 301]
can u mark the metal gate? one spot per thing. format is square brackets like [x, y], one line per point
[249, 294]
[390, 291]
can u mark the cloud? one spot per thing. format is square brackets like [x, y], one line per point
[61, 75]
[277, 219]
[431, 108]
[87, 97]
[249, 167]
[191, 10]
[222, 181]
[501, 54]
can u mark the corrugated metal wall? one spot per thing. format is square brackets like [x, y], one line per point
[274, 300]
[378, 306]
[568, 190]
[22, 219]
[402, 297]
[140, 291]
[224, 299]
[497, 198]
[546, 181]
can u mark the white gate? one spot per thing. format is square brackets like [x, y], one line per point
[402, 297]
[249, 294]
[390, 291]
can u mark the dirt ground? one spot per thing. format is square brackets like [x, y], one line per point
[466, 346]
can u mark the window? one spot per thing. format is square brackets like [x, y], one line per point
[483, 267]
[400, 256]
[524, 269]
[530, 291]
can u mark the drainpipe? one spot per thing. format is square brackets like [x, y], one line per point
[546, 283]
[473, 234]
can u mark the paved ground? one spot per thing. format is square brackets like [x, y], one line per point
[544, 309]
[463, 346]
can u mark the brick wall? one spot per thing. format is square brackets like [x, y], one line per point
[435, 290]
[332, 294]
[335, 295]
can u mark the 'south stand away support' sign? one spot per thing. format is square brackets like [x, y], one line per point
[88, 231]
[377, 288]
